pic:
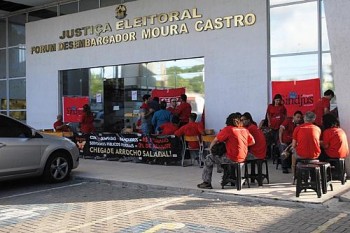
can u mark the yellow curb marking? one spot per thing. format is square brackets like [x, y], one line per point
[331, 221]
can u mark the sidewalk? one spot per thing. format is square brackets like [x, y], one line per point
[185, 179]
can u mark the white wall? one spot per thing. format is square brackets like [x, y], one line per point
[338, 21]
[235, 58]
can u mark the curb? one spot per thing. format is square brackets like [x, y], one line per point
[207, 193]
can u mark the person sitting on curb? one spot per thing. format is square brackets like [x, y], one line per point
[236, 138]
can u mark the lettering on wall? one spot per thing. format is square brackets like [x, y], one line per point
[174, 23]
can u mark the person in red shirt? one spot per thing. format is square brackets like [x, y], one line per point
[183, 111]
[192, 128]
[236, 138]
[275, 114]
[306, 139]
[172, 107]
[258, 150]
[59, 126]
[87, 120]
[334, 140]
[169, 128]
[323, 106]
[286, 136]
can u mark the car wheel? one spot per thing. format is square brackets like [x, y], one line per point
[57, 168]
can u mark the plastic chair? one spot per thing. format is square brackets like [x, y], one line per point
[206, 140]
[188, 139]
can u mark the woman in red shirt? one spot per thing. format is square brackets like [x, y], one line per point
[334, 140]
[87, 120]
[276, 113]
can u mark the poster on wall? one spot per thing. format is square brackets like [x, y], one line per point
[73, 108]
[298, 95]
[167, 94]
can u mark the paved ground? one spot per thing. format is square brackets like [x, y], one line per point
[78, 206]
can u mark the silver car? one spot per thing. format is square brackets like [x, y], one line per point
[25, 152]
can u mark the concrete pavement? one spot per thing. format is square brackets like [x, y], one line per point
[185, 180]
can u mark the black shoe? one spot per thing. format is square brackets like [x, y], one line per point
[204, 185]
[285, 171]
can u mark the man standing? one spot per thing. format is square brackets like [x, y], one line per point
[183, 111]
[286, 137]
[306, 139]
[237, 140]
[323, 106]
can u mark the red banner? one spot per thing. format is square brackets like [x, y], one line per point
[298, 95]
[167, 94]
[73, 108]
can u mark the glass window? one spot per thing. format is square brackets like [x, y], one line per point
[3, 33]
[11, 128]
[277, 2]
[17, 62]
[43, 14]
[88, 5]
[3, 95]
[18, 94]
[17, 29]
[327, 72]
[299, 67]
[2, 63]
[325, 41]
[19, 115]
[69, 8]
[294, 28]
[105, 3]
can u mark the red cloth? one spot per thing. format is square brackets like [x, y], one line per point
[337, 143]
[184, 111]
[191, 129]
[171, 109]
[319, 109]
[86, 123]
[277, 115]
[144, 106]
[259, 148]
[60, 123]
[237, 140]
[289, 126]
[307, 137]
[168, 128]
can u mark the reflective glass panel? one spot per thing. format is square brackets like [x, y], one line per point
[327, 72]
[294, 28]
[69, 8]
[3, 95]
[19, 115]
[2, 63]
[18, 94]
[277, 2]
[88, 5]
[299, 67]
[17, 30]
[325, 41]
[108, 3]
[43, 14]
[17, 62]
[3, 33]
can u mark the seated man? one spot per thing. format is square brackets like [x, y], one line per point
[170, 128]
[236, 138]
[59, 126]
[306, 139]
[286, 137]
[192, 128]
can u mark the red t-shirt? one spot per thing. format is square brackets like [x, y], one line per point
[259, 148]
[237, 140]
[319, 109]
[307, 137]
[337, 143]
[184, 111]
[86, 123]
[171, 109]
[289, 126]
[191, 129]
[59, 123]
[168, 128]
[277, 115]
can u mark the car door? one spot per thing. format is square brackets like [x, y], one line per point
[20, 152]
